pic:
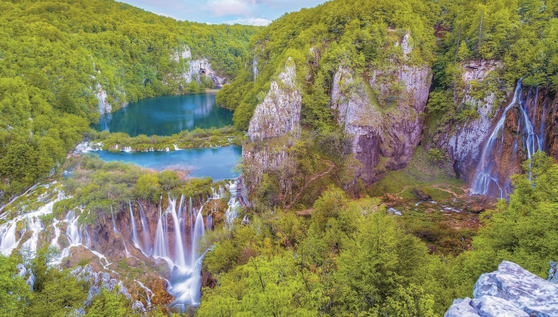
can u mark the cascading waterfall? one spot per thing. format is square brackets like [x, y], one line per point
[8, 240]
[233, 205]
[36, 227]
[179, 248]
[134, 229]
[113, 221]
[486, 179]
[145, 231]
[160, 250]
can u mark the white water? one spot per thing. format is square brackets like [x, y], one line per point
[487, 181]
[145, 231]
[8, 240]
[134, 229]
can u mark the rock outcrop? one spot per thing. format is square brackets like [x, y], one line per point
[384, 121]
[196, 68]
[510, 291]
[279, 113]
[276, 120]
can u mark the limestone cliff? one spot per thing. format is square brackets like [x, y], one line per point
[382, 114]
[509, 291]
[196, 68]
[463, 143]
[276, 120]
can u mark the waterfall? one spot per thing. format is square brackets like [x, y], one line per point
[134, 229]
[145, 232]
[113, 221]
[36, 227]
[8, 243]
[233, 205]
[160, 249]
[179, 248]
[487, 179]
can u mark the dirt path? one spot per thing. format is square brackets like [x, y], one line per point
[315, 177]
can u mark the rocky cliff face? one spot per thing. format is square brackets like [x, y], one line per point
[382, 114]
[196, 68]
[510, 291]
[276, 120]
[463, 143]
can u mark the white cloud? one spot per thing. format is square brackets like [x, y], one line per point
[250, 21]
[221, 8]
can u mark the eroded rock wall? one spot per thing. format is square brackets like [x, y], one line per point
[382, 114]
[273, 130]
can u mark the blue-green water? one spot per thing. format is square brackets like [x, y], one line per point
[167, 115]
[216, 163]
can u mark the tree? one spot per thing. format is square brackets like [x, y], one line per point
[15, 294]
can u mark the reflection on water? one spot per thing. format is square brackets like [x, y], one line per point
[216, 163]
[167, 115]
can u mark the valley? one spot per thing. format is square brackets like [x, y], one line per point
[358, 158]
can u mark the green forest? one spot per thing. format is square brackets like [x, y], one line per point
[55, 54]
[335, 250]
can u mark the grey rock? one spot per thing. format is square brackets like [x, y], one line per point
[279, 113]
[461, 308]
[275, 120]
[509, 291]
[385, 122]
[490, 306]
[520, 287]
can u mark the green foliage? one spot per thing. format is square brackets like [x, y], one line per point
[356, 33]
[109, 304]
[14, 292]
[55, 292]
[523, 230]
[186, 139]
[55, 56]
[350, 258]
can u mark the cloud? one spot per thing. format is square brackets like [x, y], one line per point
[221, 8]
[250, 21]
[224, 11]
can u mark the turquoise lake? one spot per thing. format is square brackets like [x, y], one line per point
[216, 163]
[167, 115]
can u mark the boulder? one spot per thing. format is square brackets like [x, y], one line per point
[509, 291]
[421, 195]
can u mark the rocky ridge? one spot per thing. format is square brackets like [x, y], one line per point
[510, 291]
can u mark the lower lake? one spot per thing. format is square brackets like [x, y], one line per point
[216, 163]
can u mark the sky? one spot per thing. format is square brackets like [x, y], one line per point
[251, 12]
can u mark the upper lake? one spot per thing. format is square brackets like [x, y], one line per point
[167, 115]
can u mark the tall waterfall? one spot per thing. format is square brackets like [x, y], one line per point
[487, 179]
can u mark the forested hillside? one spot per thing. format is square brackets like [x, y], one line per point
[361, 34]
[57, 58]
[379, 138]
